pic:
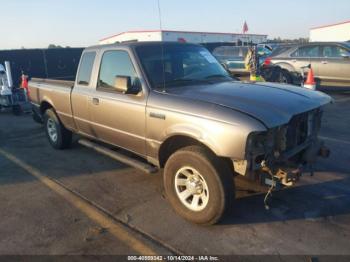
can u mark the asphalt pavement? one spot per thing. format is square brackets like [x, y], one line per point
[77, 201]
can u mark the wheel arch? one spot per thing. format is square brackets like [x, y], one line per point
[286, 66]
[178, 141]
[45, 105]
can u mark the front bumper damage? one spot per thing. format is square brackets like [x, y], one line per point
[286, 172]
[278, 175]
[286, 169]
[279, 157]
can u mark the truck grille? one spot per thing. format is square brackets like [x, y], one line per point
[301, 127]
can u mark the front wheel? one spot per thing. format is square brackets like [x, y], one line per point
[198, 185]
[36, 117]
[59, 137]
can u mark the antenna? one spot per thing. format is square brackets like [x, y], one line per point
[159, 15]
[161, 42]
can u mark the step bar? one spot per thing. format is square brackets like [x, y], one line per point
[147, 168]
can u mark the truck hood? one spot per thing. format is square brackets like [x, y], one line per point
[272, 104]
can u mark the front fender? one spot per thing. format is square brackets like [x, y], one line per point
[223, 130]
[193, 132]
[223, 138]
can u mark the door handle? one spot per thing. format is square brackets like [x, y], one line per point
[294, 60]
[324, 62]
[95, 101]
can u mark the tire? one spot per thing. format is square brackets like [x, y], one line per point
[37, 118]
[284, 77]
[59, 137]
[215, 194]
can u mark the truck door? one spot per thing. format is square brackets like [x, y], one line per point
[118, 118]
[82, 93]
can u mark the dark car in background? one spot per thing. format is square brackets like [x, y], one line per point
[232, 56]
[330, 61]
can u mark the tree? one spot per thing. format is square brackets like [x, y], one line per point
[289, 41]
[54, 46]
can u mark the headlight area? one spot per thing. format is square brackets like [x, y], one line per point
[265, 146]
[278, 157]
[259, 147]
[265, 153]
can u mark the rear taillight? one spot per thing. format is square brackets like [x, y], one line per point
[267, 61]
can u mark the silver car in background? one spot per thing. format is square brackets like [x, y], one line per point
[330, 61]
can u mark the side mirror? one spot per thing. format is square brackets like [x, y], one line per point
[346, 55]
[122, 84]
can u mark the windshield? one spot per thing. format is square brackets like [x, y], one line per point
[172, 65]
[230, 51]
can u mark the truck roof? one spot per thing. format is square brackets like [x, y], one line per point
[134, 44]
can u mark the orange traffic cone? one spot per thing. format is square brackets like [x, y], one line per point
[310, 80]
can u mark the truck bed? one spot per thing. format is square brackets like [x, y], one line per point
[65, 83]
[42, 87]
[53, 93]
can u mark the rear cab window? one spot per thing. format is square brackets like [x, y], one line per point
[85, 68]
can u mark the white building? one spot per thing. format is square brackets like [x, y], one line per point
[183, 36]
[331, 33]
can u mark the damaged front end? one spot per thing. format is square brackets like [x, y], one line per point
[281, 155]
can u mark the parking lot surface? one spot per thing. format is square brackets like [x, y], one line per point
[94, 205]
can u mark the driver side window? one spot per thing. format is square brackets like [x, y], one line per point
[113, 64]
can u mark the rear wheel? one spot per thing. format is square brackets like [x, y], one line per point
[59, 137]
[198, 185]
[284, 77]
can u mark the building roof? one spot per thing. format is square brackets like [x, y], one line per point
[177, 31]
[324, 26]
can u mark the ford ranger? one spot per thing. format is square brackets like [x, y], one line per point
[176, 109]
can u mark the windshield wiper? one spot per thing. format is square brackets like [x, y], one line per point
[218, 76]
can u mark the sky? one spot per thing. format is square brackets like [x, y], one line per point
[80, 23]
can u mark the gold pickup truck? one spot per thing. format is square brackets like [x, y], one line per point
[174, 105]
